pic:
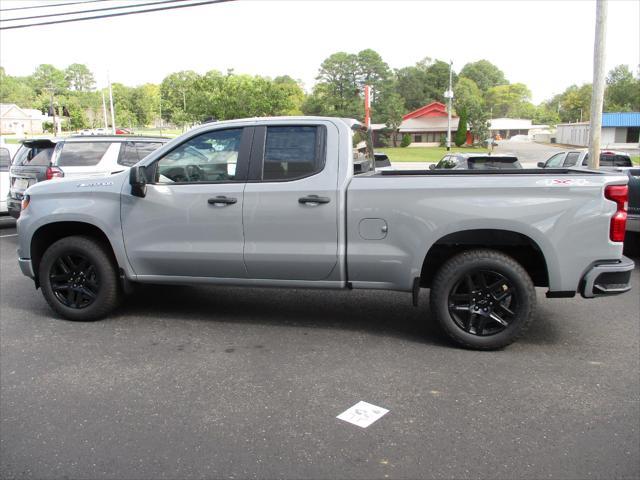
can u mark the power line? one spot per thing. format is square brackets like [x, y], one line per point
[119, 7]
[120, 14]
[49, 5]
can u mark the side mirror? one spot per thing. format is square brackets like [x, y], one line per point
[432, 166]
[541, 164]
[138, 180]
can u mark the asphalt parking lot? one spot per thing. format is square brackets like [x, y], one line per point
[221, 382]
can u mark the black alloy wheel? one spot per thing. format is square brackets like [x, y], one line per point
[79, 278]
[74, 280]
[483, 299]
[482, 302]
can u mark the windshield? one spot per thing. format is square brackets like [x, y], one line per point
[363, 158]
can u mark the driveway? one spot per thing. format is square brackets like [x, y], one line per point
[225, 382]
[529, 153]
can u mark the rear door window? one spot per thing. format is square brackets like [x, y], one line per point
[132, 152]
[82, 154]
[572, 159]
[293, 152]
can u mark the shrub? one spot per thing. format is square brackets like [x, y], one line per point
[443, 140]
[461, 134]
[406, 140]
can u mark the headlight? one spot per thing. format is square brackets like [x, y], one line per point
[25, 202]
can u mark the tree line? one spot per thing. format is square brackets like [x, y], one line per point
[481, 91]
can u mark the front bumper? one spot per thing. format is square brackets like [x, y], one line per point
[607, 279]
[26, 267]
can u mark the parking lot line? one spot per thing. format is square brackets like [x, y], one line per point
[12, 235]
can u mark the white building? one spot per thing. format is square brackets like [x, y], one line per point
[619, 130]
[18, 121]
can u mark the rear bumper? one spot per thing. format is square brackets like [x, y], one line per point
[607, 279]
[26, 267]
[14, 206]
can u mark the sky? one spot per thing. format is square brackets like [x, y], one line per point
[548, 45]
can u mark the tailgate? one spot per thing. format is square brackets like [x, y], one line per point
[23, 177]
[634, 191]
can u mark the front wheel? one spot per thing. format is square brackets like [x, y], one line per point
[483, 299]
[79, 279]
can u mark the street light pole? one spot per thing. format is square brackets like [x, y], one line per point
[113, 115]
[449, 94]
[597, 95]
[104, 111]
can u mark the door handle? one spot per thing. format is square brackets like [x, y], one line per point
[313, 200]
[222, 201]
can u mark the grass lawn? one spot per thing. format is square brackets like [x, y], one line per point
[423, 154]
[634, 158]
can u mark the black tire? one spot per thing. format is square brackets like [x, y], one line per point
[79, 279]
[507, 288]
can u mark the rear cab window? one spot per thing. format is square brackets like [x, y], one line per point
[293, 152]
[493, 163]
[81, 154]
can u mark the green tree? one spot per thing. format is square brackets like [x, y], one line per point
[466, 95]
[340, 85]
[79, 77]
[423, 83]
[623, 91]
[485, 74]
[16, 90]
[389, 111]
[48, 79]
[406, 140]
[461, 133]
[179, 97]
[373, 71]
[511, 101]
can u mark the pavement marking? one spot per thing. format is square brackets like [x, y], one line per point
[362, 414]
[12, 235]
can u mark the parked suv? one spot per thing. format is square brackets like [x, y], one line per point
[47, 158]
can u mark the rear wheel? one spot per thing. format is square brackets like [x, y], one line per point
[79, 279]
[483, 299]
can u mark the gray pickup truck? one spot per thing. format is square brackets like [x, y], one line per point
[274, 202]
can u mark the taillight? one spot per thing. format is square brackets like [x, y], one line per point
[619, 194]
[54, 172]
[25, 202]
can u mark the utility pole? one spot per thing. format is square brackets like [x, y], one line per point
[113, 116]
[449, 94]
[160, 113]
[367, 106]
[104, 111]
[53, 112]
[597, 94]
